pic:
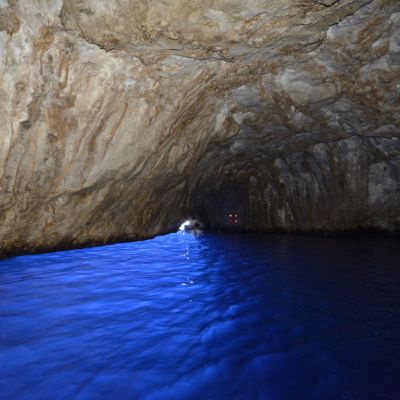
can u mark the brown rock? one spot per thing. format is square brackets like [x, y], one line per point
[119, 118]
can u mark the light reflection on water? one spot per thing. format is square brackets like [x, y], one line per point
[220, 316]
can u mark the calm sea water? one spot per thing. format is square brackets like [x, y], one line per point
[220, 316]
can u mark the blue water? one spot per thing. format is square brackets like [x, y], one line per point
[220, 316]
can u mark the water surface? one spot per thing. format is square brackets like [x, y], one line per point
[220, 316]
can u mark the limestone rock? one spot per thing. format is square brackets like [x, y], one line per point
[119, 118]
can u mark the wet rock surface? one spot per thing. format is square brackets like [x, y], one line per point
[118, 118]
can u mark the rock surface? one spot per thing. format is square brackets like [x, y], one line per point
[121, 117]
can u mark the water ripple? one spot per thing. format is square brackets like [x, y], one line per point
[218, 316]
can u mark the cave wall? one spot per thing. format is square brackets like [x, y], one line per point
[120, 117]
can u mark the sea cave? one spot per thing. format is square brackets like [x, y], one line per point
[275, 124]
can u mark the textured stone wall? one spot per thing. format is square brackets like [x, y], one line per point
[120, 117]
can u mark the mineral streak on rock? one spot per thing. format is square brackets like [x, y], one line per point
[120, 117]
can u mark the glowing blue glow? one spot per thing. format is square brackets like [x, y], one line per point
[203, 317]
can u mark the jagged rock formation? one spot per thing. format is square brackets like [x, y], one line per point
[120, 117]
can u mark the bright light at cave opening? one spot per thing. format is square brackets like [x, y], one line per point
[184, 226]
[191, 225]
